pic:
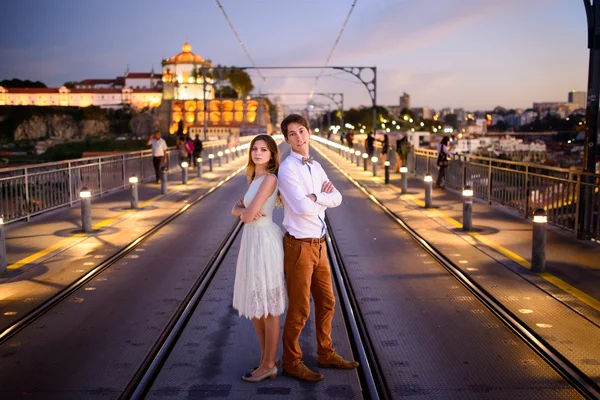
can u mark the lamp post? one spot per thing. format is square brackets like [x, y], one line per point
[86, 209]
[374, 163]
[538, 243]
[387, 172]
[184, 172]
[133, 181]
[227, 156]
[467, 208]
[428, 188]
[352, 151]
[220, 155]
[404, 179]
[210, 162]
[199, 170]
[365, 156]
[357, 158]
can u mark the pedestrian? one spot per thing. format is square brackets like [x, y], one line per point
[402, 147]
[159, 152]
[370, 144]
[350, 139]
[442, 161]
[385, 148]
[259, 289]
[197, 149]
[189, 146]
[182, 150]
[306, 192]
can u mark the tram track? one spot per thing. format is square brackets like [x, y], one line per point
[119, 255]
[566, 369]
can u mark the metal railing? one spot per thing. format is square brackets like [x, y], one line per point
[32, 190]
[571, 198]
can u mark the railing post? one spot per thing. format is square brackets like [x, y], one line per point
[490, 181]
[100, 175]
[577, 205]
[27, 200]
[527, 189]
[124, 171]
[70, 183]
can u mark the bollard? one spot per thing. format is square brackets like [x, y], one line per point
[387, 172]
[233, 154]
[199, 170]
[352, 151]
[163, 180]
[220, 155]
[357, 158]
[428, 187]
[133, 181]
[374, 162]
[467, 208]
[347, 152]
[404, 180]
[210, 162]
[86, 209]
[227, 156]
[3, 258]
[184, 172]
[538, 243]
[365, 156]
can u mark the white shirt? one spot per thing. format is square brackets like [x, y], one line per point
[302, 217]
[158, 147]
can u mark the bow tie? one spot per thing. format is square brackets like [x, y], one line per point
[307, 160]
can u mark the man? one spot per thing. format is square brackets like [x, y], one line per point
[197, 149]
[159, 152]
[306, 193]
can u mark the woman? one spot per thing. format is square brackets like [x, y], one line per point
[259, 291]
[442, 161]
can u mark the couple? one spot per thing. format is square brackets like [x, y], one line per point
[260, 283]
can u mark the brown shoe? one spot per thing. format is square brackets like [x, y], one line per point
[302, 373]
[336, 361]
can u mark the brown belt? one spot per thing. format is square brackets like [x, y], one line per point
[307, 240]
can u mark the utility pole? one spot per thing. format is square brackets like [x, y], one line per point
[591, 112]
[591, 116]
[204, 99]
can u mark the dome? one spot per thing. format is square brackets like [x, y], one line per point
[186, 56]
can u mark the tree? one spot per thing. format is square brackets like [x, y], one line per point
[451, 119]
[240, 81]
[18, 83]
[226, 91]
[70, 84]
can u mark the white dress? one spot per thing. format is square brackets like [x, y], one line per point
[259, 288]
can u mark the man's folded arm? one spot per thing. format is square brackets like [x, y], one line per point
[294, 197]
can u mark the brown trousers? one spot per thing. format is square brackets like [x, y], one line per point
[307, 271]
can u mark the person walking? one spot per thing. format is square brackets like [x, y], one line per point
[442, 161]
[259, 289]
[385, 148]
[306, 192]
[159, 152]
[189, 146]
[370, 144]
[197, 149]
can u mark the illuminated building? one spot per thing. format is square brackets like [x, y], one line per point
[180, 92]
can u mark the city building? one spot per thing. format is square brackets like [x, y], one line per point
[423, 112]
[184, 97]
[577, 97]
[404, 101]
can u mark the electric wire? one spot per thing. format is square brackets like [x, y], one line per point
[333, 48]
[240, 41]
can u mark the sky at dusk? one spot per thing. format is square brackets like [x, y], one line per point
[475, 54]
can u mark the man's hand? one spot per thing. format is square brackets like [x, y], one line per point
[327, 187]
